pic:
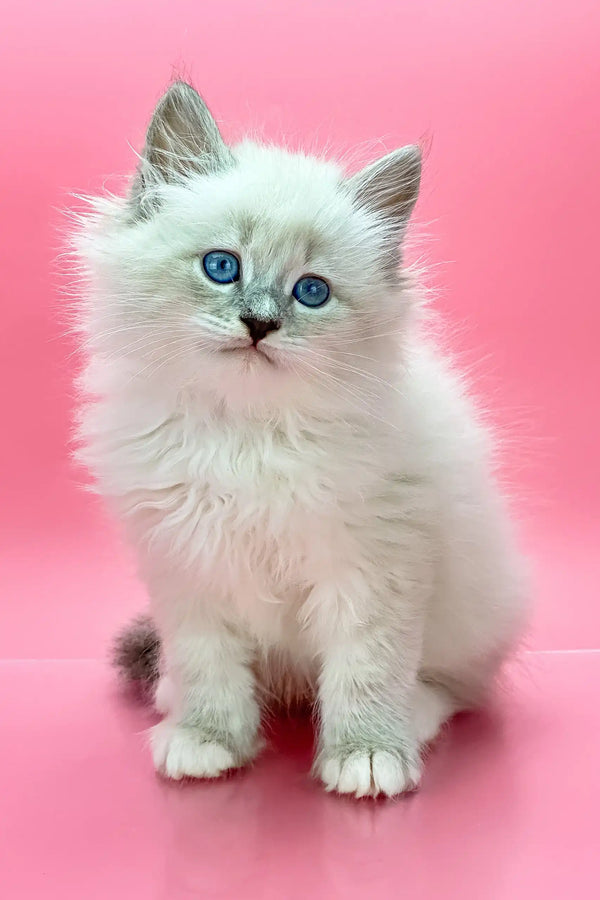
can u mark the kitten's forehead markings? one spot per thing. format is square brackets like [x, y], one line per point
[295, 246]
[246, 227]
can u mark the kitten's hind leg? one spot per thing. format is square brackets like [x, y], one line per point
[432, 706]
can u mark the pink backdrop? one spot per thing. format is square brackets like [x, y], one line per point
[507, 95]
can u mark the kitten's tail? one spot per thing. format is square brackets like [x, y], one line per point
[136, 653]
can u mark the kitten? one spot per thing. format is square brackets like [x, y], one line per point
[305, 482]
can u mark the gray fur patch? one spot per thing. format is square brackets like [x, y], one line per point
[136, 652]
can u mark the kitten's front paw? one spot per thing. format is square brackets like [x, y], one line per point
[369, 772]
[180, 751]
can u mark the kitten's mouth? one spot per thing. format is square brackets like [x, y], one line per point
[250, 353]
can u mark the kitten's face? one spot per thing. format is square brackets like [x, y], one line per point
[254, 274]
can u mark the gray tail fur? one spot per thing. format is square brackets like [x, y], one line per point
[136, 653]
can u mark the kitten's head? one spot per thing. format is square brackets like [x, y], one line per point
[255, 274]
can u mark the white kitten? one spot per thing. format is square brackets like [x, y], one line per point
[306, 484]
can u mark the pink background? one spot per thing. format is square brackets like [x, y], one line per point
[507, 95]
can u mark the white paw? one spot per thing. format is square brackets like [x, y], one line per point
[180, 752]
[368, 773]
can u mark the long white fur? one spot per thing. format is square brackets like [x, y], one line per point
[324, 521]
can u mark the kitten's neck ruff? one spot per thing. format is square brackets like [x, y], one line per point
[345, 408]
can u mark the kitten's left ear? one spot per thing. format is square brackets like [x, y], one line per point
[390, 186]
[182, 139]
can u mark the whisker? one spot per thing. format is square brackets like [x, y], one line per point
[360, 397]
[361, 372]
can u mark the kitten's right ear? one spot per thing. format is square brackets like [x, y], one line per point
[182, 139]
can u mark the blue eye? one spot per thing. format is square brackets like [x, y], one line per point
[311, 291]
[221, 266]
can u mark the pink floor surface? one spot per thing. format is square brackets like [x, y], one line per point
[506, 97]
[507, 808]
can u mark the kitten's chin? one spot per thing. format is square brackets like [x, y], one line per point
[249, 378]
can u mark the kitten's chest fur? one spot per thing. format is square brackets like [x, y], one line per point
[253, 509]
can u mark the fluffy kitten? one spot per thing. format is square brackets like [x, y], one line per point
[305, 483]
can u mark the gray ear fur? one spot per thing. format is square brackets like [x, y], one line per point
[390, 186]
[182, 139]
